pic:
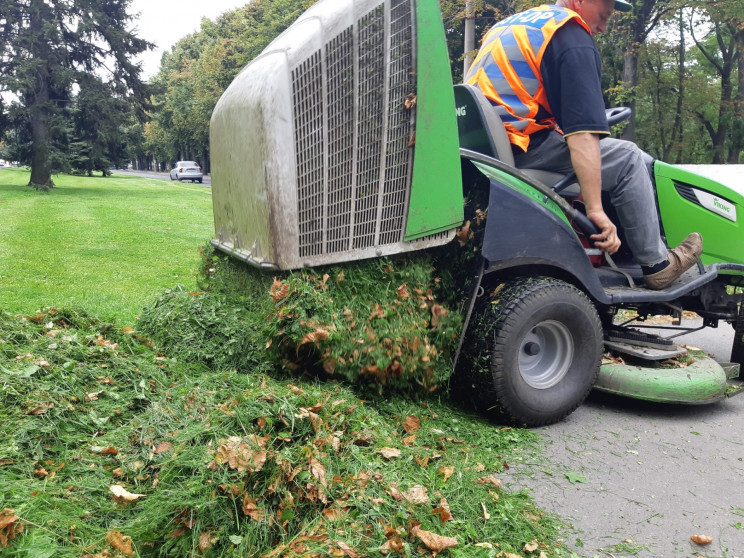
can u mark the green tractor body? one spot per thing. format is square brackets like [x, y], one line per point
[345, 139]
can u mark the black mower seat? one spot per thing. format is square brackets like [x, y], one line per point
[481, 130]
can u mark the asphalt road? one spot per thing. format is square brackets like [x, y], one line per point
[206, 181]
[639, 479]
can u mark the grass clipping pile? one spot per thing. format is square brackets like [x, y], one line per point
[388, 324]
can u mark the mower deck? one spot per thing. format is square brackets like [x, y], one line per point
[702, 381]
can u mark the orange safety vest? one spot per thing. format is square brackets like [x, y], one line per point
[507, 68]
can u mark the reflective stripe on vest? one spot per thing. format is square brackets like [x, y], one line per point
[507, 68]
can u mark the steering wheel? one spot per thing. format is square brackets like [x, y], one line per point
[615, 115]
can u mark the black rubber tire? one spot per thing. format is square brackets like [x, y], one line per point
[200, 181]
[737, 347]
[546, 386]
[171, 177]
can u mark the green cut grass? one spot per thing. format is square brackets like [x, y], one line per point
[105, 244]
[235, 464]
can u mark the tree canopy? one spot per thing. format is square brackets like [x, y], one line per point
[69, 65]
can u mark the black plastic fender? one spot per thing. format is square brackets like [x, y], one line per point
[520, 231]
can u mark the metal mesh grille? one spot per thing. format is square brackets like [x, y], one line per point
[340, 64]
[371, 31]
[307, 96]
[352, 133]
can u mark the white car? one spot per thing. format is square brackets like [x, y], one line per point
[187, 170]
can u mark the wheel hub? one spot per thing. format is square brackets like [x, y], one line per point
[545, 354]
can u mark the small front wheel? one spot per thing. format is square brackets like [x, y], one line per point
[541, 352]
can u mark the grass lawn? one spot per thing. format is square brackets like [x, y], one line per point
[111, 448]
[104, 244]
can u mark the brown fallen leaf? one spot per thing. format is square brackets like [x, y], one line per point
[314, 336]
[348, 550]
[443, 510]
[490, 479]
[531, 547]
[701, 539]
[122, 494]
[417, 495]
[389, 453]
[318, 471]
[10, 526]
[279, 290]
[163, 447]
[251, 509]
[207, 540]
[411, 424]
[432, 541]
[447, 471]
[463, 234]
[486, 515]
[402, 292]
[120, 542]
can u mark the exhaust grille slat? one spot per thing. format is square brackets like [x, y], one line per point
[307, 93]
[340, 63]
[371, 32]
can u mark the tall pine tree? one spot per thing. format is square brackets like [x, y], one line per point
[47, 48]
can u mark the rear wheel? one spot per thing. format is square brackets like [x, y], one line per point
[538, 350]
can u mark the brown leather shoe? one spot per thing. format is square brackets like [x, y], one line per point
[681, 258]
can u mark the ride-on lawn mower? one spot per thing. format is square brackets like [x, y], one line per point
[345, 139]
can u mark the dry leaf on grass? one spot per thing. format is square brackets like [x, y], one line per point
[163, 447]
[250, 508]
[207, 540]
[701, 539]
[411, 424]
[279, 290]
[10, 526]
[242, 455]
[348, 550]
[402, 292]
[443, 510]
[531, 546]
[417, 495]
[318, 471]
[490, 479]
[123, 495]
[486, 515]
[315, 336]
[389, 453]
[120, 542]
[432, 541]
[447, 471]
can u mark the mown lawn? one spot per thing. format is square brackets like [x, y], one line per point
[105, 244]
[113, 447]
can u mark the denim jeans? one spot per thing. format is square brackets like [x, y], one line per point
[624, 177]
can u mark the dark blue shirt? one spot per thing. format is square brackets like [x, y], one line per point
[571, 70]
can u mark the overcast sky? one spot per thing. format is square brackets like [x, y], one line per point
[164, 22]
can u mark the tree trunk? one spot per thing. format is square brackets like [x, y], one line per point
[630, 81]
[678, 130]
[737, 135]
[41, 166]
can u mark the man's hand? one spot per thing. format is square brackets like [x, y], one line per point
[607, 239]
[586, 159]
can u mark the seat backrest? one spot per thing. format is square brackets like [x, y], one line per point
[479, 125]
